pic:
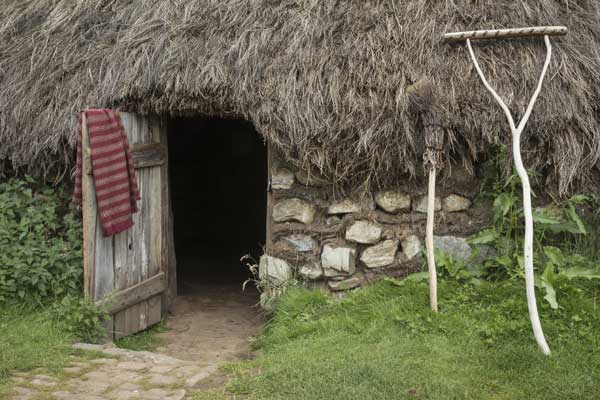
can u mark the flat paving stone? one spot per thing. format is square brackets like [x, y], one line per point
[98, 375]
[80, 364]
[127, 376]
[21, 391]
[104, 361]
[63, 395]
[162, 369]
[73, 370]
[186, 371]
[161, 380]
[123, 394]
[132, 365]
[162, 394]
[129, 386]
[42, 382]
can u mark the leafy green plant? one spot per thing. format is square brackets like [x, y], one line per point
[554, 225]
[40, 243]
[458, 269]
[560, 266]
[80, 317]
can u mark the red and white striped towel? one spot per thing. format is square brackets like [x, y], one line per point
[112, 167]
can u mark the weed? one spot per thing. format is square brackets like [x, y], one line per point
[80, 317]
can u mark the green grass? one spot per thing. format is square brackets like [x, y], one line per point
[35, 338]
[30, 339]
[382, 342]
[143, 341]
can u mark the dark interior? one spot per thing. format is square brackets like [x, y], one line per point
[218, 174]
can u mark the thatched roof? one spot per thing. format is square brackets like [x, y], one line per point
[325, 81]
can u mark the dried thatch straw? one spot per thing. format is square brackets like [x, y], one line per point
[324, 81]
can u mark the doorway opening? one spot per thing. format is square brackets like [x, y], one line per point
[218, 177]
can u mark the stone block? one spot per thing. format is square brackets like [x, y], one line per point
[311, 178]
[364, 232]
[282, 178]
[457, 247]
[421, 204]
[312, 270]
[411, 247]
[333, 221]
[345, 284]
[338, 260]
[294, 210]
[380, 255]
[393, 201]
[348, 206]
[345, 206]
[302, 243]
[274, 270]
[456, 203]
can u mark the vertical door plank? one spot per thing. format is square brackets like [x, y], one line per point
[104, 277]
[168, 258]
[129, 264]
[139, 253]
[155, 223]
[98, 250]
[89, 212]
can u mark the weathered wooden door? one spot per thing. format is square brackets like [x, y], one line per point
[128, 273]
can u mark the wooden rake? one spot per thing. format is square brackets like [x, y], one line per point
[516, 130]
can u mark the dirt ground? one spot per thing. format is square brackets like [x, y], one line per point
[211, 324]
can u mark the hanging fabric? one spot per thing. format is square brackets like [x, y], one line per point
[113, 171]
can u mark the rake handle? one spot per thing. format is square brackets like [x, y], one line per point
[506, 33]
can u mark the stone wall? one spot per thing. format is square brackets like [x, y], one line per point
[344, 241]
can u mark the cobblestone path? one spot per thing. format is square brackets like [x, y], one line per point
[120, 374]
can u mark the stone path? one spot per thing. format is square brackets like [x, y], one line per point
[121, 374]
[209, 325]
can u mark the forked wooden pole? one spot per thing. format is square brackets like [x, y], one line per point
[516, 144]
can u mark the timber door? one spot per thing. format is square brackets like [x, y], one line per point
[127, 273]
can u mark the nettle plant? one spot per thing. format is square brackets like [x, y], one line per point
[557, 228]
[41, 255]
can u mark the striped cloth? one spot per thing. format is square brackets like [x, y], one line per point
[113, 173]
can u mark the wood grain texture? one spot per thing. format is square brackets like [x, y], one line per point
[88, 217]
[131, 266]
[506, 33]
[87, 160]
[148, 155]
[135, 294]
[139, 250]
[98, 265]
[168, 257]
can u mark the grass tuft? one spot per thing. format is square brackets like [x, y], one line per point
[147, 340]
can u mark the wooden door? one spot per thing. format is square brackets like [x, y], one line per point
[128, 274]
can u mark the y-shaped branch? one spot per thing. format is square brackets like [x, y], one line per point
[516, 142]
